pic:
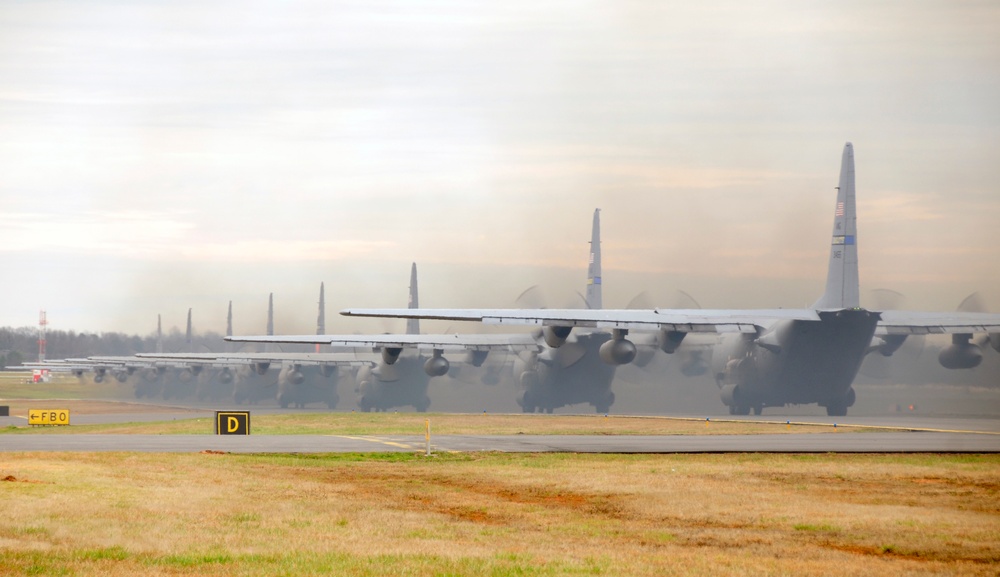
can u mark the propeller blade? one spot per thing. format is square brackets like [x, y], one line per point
[641, 301]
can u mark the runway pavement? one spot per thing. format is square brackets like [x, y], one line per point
[903, 433]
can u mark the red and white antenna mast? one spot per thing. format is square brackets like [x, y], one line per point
[41, 335]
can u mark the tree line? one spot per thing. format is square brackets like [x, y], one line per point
[19, 345]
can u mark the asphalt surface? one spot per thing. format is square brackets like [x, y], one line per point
[903, 433]
[841, 442]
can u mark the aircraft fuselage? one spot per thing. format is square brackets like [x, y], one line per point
[795, 362]
[563, 376]
[403, 383]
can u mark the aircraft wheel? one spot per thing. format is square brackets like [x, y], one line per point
[757, 410]
[738, 410]
[836, 410]
[604, 406]
[527, 402]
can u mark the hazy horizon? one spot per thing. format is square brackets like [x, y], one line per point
[160, 157]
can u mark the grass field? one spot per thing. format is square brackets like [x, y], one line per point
[498, 514]
[13, 385]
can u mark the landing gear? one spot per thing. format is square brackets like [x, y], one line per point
[838, 407]
[604, 407]
[527, 402]
[836, 410]
[739, 410]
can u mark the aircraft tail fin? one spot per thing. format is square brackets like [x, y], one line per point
[188, 334]
[159, 335]
[321, 319]
[269, 328]
[270, 314]
[594, 297]
[842, 283]
[413, 325]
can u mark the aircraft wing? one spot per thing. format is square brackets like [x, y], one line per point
[54, 366]
[924, 323]
[443, 342]
[682, 320]
[338, 359]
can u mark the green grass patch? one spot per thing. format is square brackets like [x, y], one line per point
[816, 528]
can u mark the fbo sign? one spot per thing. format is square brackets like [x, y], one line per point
[232, 422]
[48, 416]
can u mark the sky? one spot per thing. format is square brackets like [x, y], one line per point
[156, 156]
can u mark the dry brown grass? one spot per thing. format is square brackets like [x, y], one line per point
[500, 514]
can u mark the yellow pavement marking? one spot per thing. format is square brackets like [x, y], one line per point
[389, 443]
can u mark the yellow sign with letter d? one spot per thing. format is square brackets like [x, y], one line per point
[232, 422]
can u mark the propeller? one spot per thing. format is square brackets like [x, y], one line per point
[571, 351]
[974, 303]
[877, 365]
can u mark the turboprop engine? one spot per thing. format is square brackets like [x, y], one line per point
[962, 354]
[189, 373]
[295, 376]
[476, 358]
[888, 344]
[619, 350]
[670, 340]
[436, 366]
[261, 367]
[556, 336]
[225, 376]
[391, 354]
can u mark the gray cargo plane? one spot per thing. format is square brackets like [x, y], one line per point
[385, 379]
[767, 357]
[573, 373]
[580, 371]
[398, 373]
[301, 378]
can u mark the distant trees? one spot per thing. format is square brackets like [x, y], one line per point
[21, 344]
[11, 358]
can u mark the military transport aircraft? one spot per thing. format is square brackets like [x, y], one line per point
[301, 378]
[580, 371]
[767, 357]
[398, 372]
